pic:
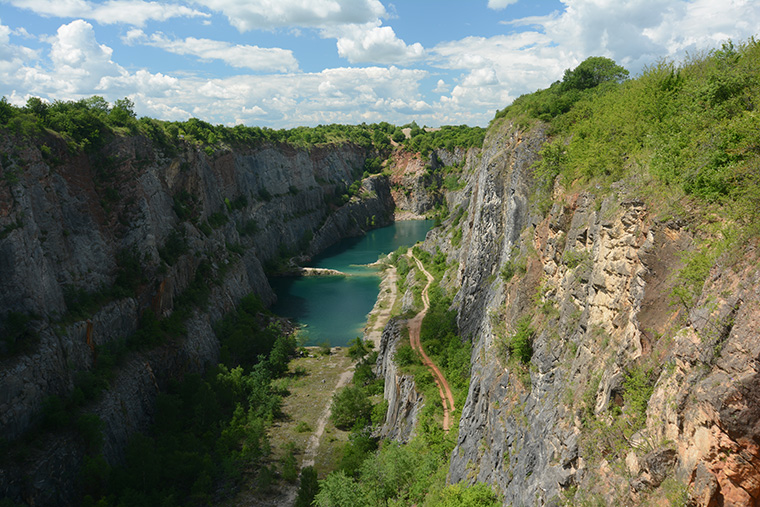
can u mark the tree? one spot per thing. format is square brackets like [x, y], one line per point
[592, 72]
[349, 406]
[122, 113]
[308, 489]
[37, 106]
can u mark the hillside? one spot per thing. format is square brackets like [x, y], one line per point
[603, 261]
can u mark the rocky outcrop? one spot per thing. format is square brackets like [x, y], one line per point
[404, 401]
[593, 273]
[416, 185]
[88, 242]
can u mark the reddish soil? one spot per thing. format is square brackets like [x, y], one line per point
[447, 398]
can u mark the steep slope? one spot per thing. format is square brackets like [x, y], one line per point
[625, 397]
[91, 241]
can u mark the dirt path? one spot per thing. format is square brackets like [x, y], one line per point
[383, 306]
[310, 454]
[447, 398]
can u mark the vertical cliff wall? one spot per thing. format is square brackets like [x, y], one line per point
[630, 396]
[89, 242]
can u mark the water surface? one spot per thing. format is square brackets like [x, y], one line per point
[335, 308]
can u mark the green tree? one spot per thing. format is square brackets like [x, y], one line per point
[592, 72]
[349, 406]
[308, 489]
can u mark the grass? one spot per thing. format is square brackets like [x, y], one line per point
[308, 397]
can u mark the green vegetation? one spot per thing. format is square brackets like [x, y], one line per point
[447, 137]
[520, 343]
[404, 475]
[89, 123]
[206, 430]
[688, 131]
[593, 76]
[608, 435]
[350, 406]
[689, 126]
[441, 341]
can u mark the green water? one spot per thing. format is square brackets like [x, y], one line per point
[335, 308]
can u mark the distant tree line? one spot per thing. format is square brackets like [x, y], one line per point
[90, 122]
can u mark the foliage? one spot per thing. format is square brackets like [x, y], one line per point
[638, 385]
[358, 348]
[592, 72]
[447, 138]
[206, 429]
[403, 475]
[594, 76]
[520, 343]
[174, 246]
[459, 495]
[406, 356]
[350, 405]
[308, 487]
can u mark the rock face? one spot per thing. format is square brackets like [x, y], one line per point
[416, 187]
[593, 275]
[404, 401]
[149, 222]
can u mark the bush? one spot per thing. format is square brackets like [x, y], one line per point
[406, 356]
[308, 488]
[350, 406]
[520, 343]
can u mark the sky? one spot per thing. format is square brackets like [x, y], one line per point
[287, 63]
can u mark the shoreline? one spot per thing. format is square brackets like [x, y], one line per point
[380, 314]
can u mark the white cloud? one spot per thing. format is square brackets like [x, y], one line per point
[268, 14]
[500, 4]
[80, 67]
[236, 55]
[79, 60]
[638, 32]
[373, 43]
[441, 87]
[495, 70]
[132, 12]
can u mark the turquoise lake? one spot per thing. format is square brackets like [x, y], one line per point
[335, 308]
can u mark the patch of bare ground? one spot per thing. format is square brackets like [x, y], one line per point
[311, 382]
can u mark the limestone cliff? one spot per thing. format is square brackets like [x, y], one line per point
[404, 401]
[90, 241]
[590, 274]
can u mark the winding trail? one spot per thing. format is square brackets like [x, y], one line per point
[310, 453]
[447, 398]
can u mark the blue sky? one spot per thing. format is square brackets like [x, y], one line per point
[284, 63]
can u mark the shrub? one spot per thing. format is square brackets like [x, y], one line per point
[406, 356]
[308, 488]
[350, 406]
[520, 343]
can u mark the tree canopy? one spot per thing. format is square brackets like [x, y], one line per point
[592, 72]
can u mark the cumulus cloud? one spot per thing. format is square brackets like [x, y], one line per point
[495, 70]
[268, 14]
[329, 96]
[637, 32]
[13, 57]
[79, 67]
[372, 43]
[236, 55]
[132, 12]
[79, 60]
